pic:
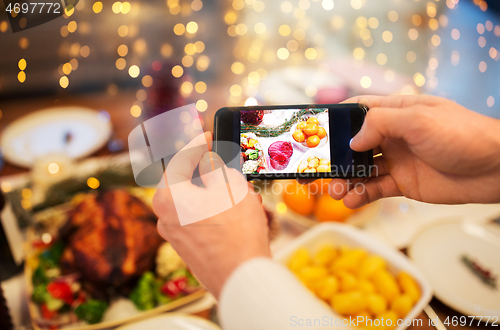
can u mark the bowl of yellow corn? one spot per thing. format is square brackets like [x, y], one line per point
[358, 276]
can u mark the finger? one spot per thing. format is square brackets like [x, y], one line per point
[379, 167]
[393, 101]
[252, 190]
[381, 123]
[182, 165]
[372, 190]
[338, 188]
[211, 169]
[305, 181]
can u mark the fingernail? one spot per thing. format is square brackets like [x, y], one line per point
[350, 142]
[211, 160]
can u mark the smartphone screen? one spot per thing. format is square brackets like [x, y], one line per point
[298, 141]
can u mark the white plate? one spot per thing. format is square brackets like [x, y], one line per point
[338, 234]
[437, 251]
[43, 133]
[320, 153]
[172, 321]
[303, 145]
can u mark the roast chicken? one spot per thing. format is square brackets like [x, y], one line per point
[111, 239]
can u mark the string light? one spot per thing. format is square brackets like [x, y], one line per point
[166, 50]
[287, 6]
[284, 30]
[201, 105]
[21, 76]
[177, 71]
[53, 168]
[238, 68]
[490, 101]
[455, 58]
[413, 34]
[22, 64]
[200, 87]
[393, 16]
[373, 22]
[147, 81]
[122, 50]
[387, 36]
[283, 54]
[310, 53]
[135, 111]
[187, 61]
[411, 56]
[482, 66]
[381, 59]
[93, 183]
[117, 7]
[419, 79]
[64, 82]
[202, 63]
[85, 51]
[121, 63]
[366, 82]
[192, 27]
[134, 71]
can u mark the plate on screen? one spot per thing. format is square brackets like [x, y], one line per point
[73, 131]
[453, 254]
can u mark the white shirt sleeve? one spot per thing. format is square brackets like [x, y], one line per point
[262, 294]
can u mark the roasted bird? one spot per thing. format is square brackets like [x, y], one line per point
[111, 239]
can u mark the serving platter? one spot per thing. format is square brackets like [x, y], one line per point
[109, 322]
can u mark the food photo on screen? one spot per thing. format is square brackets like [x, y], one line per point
[285, 141]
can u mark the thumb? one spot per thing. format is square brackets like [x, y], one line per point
[209, 164]
[381, 123]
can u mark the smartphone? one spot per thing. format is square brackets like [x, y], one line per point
[292, 141]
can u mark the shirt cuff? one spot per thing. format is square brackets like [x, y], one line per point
[262, 294]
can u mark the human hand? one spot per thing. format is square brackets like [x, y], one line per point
[214, 247]
[433, 150]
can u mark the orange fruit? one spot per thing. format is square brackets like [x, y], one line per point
[298, 198]
[321, 132]
[311, 129]
[319, 186]
[313, 120]
[299, 136]
[328, 209]
[313, 141]
[301, 125]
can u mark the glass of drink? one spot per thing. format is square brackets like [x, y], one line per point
[280, 153]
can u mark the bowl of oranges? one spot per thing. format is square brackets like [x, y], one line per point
[309, 133]
[310, 204]
[357, 276]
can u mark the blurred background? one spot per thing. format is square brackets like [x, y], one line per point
[76, 86]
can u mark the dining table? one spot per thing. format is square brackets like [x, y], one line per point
[118, 106]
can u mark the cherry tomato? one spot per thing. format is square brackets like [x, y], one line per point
[46, 313]
[60, 290]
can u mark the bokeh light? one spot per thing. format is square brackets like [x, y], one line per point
[366, 82]
[93, 183]
[134, 71]
[201, 105]
[64, 82]
[177, 71]
[200, 87]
